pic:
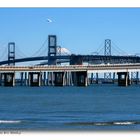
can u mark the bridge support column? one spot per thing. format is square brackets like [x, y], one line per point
[25, 80]
[113, 77]
[21, 80]
[134, 77]
[0, 79]
[50, 79]
[34, 79]
[97, 78]
[81, 78]
[94, 78]
[59, 79]
[107, 78]
[123, 79]
[9, 79]
[91, 78]
[44, 79]
[41, 79]
[68, 78]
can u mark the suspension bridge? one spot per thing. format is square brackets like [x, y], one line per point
[75, 73]
[58, 55]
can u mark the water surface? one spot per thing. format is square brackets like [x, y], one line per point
[96, 107]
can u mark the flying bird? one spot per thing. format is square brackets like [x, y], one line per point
[49, 20]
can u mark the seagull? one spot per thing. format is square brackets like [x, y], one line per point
[49, 20]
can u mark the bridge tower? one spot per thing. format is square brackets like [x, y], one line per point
[11, 53]
[107, 52]
[9, 77]
[52, 52]
[52, 49]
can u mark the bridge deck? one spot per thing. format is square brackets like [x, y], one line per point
[85, 58]
[74, 68]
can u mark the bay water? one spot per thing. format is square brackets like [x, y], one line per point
[96, 107]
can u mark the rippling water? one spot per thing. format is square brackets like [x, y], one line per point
[97, 107]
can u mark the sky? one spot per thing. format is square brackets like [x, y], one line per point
[80, 30]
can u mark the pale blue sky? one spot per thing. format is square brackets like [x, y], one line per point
[81, 30]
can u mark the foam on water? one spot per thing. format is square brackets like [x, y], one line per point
[9, 121]
[102, 123]
[123, 123]
[105, 123]
[115, 123]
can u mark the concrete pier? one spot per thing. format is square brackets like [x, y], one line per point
[69, 79]
[81, 78]
[44, 79]
[123, 79]
[113, 80]
[34, 79]
[134, 77]
[58, 78]
[0, 79]
[26, 79]
[22, 80]
[94, 78]
[50, 81]
[78, 78]
[9, 79]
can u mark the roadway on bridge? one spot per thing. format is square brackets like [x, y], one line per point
[74, 68]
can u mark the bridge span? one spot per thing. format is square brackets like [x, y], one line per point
[54, 56]
[74, 68]
[76, 72]
[93, 59]
[64, 75]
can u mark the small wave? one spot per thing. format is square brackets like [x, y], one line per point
[105, 123]
[123, 123]
[9, 121]
[101, 123]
